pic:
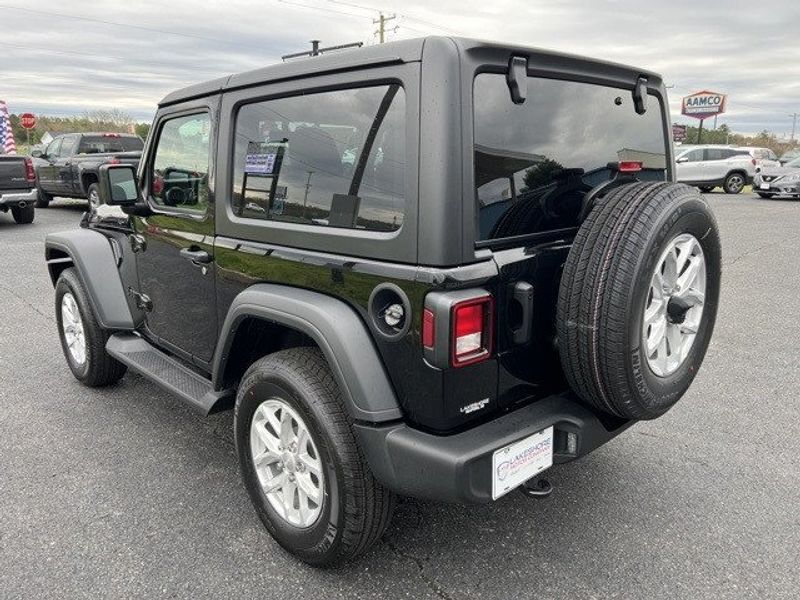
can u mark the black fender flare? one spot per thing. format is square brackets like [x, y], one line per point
[338, 331]
[94, 259]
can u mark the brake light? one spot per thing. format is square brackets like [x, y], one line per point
[630, 166]
[113, 161]
[30, 173]
[472, 331]
[111, 135]
[428, 328]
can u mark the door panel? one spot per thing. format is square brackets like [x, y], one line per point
[175, 265]
[46, 170]
[691, 170]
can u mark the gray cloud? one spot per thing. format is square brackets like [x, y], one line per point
[52, 64]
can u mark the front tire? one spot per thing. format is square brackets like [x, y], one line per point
[83, 340]
[638, 299]
[300, 461]
[734, 183]
[23, 214]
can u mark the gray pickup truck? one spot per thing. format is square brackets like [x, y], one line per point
[68, 165]
[17, 187]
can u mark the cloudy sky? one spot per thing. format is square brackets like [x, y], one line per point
[60, 58]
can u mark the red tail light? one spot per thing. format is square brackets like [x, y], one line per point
[113, 161]
[629, 166]
[753, 160]
[30, 173]
[472, 331]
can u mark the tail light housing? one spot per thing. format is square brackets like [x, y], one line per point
[630, 166]
[458, 327]
[30, 172]
[113, 161]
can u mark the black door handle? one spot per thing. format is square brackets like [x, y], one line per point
[198, 257]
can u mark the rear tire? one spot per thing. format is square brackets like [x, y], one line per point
[93, 196]
[734, 183]
[607, 343]
[23, 215]
[78, 329]
[355, 508]
[43, 200]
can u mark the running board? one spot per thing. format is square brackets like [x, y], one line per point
[168, 372]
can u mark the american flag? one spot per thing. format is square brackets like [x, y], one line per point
[7, 144]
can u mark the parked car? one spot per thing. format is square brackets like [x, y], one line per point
[779, 181]
[707, 167]
[68, 166]
[17, 187]
[763, 157]
[445, 320]
[789, 156]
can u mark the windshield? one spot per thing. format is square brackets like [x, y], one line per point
[535, 161]
[794, 164]
[101, 144]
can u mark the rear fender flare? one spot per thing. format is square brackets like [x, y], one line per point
[338, 331]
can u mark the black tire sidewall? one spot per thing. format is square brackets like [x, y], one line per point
[313, 543]
[68, 282]
[660, 393]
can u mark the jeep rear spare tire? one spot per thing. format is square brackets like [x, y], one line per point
[638, 298]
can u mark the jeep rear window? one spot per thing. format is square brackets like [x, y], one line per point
[535, 161]
[332, 159]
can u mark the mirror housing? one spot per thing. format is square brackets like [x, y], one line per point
[682, 159]
[118, 185]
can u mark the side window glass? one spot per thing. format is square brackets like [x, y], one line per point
[179, 172]
[53, 148]
[694, 156]
[67, 146]
[331, 159]
[714, 154]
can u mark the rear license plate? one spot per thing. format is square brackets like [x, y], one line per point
[764, 186]
[514, 464]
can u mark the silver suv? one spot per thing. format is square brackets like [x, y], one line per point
[710, 166]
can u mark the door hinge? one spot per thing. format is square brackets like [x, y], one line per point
[143, 301]
[138, 242]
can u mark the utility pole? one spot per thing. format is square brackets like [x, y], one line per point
[308, 188]
[794, 124]
[381, 23]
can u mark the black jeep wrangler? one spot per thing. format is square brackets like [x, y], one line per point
[430, 268]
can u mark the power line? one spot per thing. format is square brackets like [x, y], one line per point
[118, 24]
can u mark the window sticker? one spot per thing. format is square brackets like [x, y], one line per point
[258, 163]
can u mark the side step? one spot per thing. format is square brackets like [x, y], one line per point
[147, 360]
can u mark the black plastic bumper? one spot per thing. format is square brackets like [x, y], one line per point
[457, 468]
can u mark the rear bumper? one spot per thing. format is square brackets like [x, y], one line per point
[17, 197]
[457, 468]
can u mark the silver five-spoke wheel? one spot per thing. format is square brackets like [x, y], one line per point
[674, 306]
[287, 463]
[74, 334]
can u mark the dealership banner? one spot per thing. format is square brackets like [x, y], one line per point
[703, 105]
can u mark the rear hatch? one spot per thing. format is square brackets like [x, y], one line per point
[534, 163]
[13, 173]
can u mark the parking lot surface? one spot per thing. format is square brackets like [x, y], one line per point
[123, 492]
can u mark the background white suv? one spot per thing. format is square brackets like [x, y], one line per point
[710, 166]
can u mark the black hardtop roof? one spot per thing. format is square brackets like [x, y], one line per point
[403, 51]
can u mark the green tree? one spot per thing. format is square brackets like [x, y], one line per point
[142, 129]
[540, 174]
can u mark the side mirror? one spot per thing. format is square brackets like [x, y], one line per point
[118, 185]
[682, 159]
[38, 154]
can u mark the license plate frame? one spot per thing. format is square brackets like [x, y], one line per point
[516, 463]
[764, 186]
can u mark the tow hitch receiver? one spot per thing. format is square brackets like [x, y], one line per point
[536, 488]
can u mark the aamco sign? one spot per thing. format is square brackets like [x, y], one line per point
[703, 105]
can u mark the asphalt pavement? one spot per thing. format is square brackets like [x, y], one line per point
[123, 492]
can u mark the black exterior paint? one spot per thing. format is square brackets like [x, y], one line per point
[434, 250]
